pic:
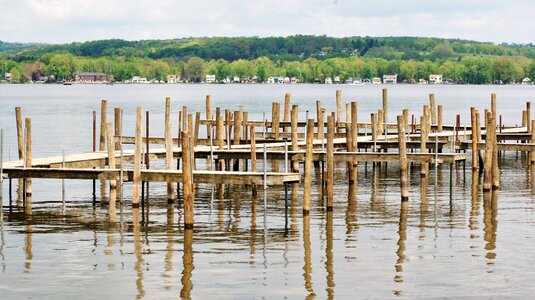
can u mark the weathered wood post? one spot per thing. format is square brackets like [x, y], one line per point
[110, 145]
[495, 164]
[475, 159]
[354, 140]
[168, 132]
[384, 120]
[433, 109]
[117, 123]
[275, 123]
[319, 117]
[424, 136]
[197, 127]
[187, 180]
[220, 136]
[406, 118]
[439, 118]
[532, 159]
[380, 122]
[295, 145]
[487, 183]
[330, 162]
[138, 142]
[237, 135]
[253, 155]
[373, 125]
[403, 165]
[20, 134]
[28, 163]
[338, 108]
[286, 115]
[103, 120]
[209, 116]
[308, 166]
[528, 115]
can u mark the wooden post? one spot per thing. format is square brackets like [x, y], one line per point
[439, 118]
[253, 155]
[295, 145]
[275, 119]
[190, 124]
[487, 183]
[524, 118]
[384, 120]
[373, 127]
[168, 132]
[117, 120]
[103, 120]
[237, 135]
[330, 162]
[187, 179]
[495, 166]
[380, 121]
[475, 158]
[20, 134]
[286, 111]
[137, 158]
[209, 116]
[423, 145]
[197, 125]
[406, 118]
[28, 159]
[110, 145]
[184, 119]
[493, 104]
[528, 115]
[403, 165]
[319, 117]
[532, 160]
[354, 140]
[338, 107]
[220, 136]
[308, 167]
[433, 109]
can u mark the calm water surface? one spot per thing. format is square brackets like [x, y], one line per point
[454, 242]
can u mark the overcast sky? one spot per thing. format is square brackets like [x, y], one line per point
[61, 21]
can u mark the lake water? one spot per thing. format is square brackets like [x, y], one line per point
[448, 242]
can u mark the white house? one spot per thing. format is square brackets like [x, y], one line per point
[422, 81]
[376, 80]
[390, 78]
[526, 80]
[172, 78]
[328, 80]
[270, 80]
[294, 80]
[138, 79]
[8, 76]
[435, 78]
[236, 79]
[210, 78]
[337, 79]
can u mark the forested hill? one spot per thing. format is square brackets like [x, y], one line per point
[298, 47]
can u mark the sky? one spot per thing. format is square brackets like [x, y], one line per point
[64, 21]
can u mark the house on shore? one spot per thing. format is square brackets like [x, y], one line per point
[210, 78]
[139, 79]
[390, 78]
[526, 80]
[328, 80]
[435, 78]
[376, 80]
[8, 77]
[92, 77]
[172, 78]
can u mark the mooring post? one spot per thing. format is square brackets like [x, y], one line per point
[433, 109]
[374, 131]
[94, 150]
[265, 125]
[532, 141]
[168, 132]
[487, 183]
[286, 116]
[147, 159]
[197, 127]
[495, 166]
[528, 115]
[308, 166]
[380, 122]
[294, 129]
[319, 117]
[475, 159]
[110, 145]
[20, 138]
[253, 154]
[338, 109]
[403, 165]
[209, 116]
[330, 162]
[187, 180]
[138, 142]
[354, 140]
[117, 121]
[220, 135]
[424, 137]
[103, 121]
[237, 135]
[285, 155]
[28, 164]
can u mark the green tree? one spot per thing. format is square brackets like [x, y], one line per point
[194, 69]
[61, 66]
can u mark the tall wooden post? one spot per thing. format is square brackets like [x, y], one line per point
[354, 140]
[433, 109]
[495, 166]
[103, 120]
[403, 165]
[168, 131]
[319, 117]
[275, 119]
[220, 136]
[475, 158]
[487, 183]
[197, 127]
[532, 159]
[138, 142]
[209, 116]
[406, 118]
[373, 120]
[330, 162]
[28, 160]
[237, 135]
[308, 166]
[439, 118]
[253, 155]
[20, 134]
[384, 120]
[424, 136]
[110, 145]
[295, 145]
[286, 111]
[338, 107]
[380, 121]
[528, 115]
[117, 121]
[187, 180]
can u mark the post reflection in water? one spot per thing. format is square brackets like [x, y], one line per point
[307, 267]
[490, 206]
[169, 247]
[351, 211]
[424, 205]
[474, 209]
[187, 260]
[19, 192]
[402, 232]
[138, 252]
[252, 241]
[329, 256]
[111, 227]
[28, 247]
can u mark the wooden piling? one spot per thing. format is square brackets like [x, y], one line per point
[187, 180]
[117, 122]
[137, 158]
[338, 107]
[20, 134]
[110, 145]
[28, 158]
[532, 159]
[237, 135]
[439, 118]
[197, 125]
[495, 165]
[475, 159]
[308, 167]
[406, 118]
[384, 120]
[286, 115]
[433, 109]
[103, 120]
[330, 162]
[220, 136]
[528, 115]
[373, 128]
[275, 119]
[295, 146]
[253, 155]
[380, 122]
[209, 116]
[487, 180]
[403, 164]
[424, 136]
[168, 133]
[354, 140]
[319, 117]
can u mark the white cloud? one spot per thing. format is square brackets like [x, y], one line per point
[57, 21]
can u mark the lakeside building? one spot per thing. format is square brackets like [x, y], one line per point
[390, 78]
[8, 76]
[139, 79]
[435, 78]
[376, 80]
[92, 77]
[526, 80]
[337, 79]
[328, 80]
[210, 78]
[422, 81]
[172, 78]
